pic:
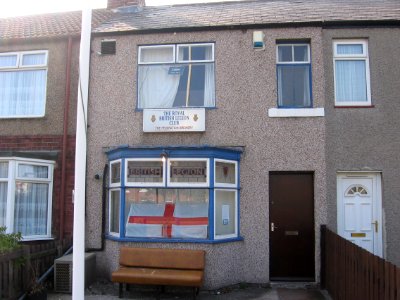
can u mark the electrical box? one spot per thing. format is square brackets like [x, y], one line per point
[63, 269]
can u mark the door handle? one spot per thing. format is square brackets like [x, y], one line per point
[273, 226]
[376, 225]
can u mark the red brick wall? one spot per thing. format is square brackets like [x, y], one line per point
[43, 143]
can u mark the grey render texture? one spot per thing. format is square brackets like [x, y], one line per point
[345, 139]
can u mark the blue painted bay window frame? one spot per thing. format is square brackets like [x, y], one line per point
[221, 160]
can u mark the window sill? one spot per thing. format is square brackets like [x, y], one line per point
[354, 106]
[160, 240]
[296, 112]
[33, 239]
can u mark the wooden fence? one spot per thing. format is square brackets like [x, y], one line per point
[350, 272]
[19, 268]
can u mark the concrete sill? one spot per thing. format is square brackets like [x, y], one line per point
[296, 112]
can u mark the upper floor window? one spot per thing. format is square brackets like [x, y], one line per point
[294, 75]
[351, 67]
[23, 77]
[25, 196]
[176, 76]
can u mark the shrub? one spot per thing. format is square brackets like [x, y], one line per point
[9, 241]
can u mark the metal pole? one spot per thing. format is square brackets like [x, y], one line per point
[78, 276]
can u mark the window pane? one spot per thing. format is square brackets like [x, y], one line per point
[145, 171]
[225, 172]
[188, 171]
[4, 169]
[31, 208]
[157, 54]
[115, 172]
[114, 211]
[8, 60]
[285, 54]
[301, 53]
[3, 203]
[350, 49]
[166, 213]
[23, 93]
[167, 86]
[33, 171]
[225, 216]
[294, 86]
[193, 52]
[350, 80]
[34, 59]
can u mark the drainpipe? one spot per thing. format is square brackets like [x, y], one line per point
[65, 137]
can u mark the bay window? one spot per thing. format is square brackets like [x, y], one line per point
[178, 75]
[25, 196]
[23, 77]
[187, 197]
[351, 69]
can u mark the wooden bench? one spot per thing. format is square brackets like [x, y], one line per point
[160, 267]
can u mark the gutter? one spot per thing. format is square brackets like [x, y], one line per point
[65, 137]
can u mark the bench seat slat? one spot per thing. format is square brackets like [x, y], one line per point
[152, 276]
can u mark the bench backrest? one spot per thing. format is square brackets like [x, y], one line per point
[162, 258]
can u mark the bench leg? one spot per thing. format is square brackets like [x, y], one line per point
[195, 293]
[127, 287]
[121, 291]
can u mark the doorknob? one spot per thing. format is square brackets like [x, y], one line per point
[273, 227]
[376, 225]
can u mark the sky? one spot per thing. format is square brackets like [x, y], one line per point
[32, 7]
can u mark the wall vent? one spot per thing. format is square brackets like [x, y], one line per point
[63, 272]
[108, 47]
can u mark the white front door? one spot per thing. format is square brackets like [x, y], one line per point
[360, 209]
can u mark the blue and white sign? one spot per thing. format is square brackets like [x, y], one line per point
[174, 120]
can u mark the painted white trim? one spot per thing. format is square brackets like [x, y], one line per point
[229, 185]
[144, 184]
[295, 112]
[12, 179]
[308, 61]
[194, 45]
[113, 233]
[377, 204]
[156, 62]
[226, 236]
[352, 57]
[188, 184]
[116, 184]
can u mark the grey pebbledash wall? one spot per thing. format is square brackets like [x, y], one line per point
[368, 139]
[245, 90]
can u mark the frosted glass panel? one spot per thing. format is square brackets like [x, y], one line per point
[350, 49]
[34, 59]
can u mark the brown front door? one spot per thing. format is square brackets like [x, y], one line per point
[291, 216]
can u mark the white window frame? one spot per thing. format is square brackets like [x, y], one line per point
[113, 233]
[144, 184]
[20, 67]
[140, 62]
[363, 57]
[13, 163]
[292, 62]
[116, 184]
[188, 184]
[194, 45]
[228, 185]
[232, 235]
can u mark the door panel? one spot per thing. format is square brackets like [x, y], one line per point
[292, 240]
[358, 209]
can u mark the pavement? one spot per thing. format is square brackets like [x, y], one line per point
[103, 290]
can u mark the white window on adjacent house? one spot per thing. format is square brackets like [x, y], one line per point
[351, 68]
[26, 196]
[23, 78]
[294, 75]
[176, 76]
